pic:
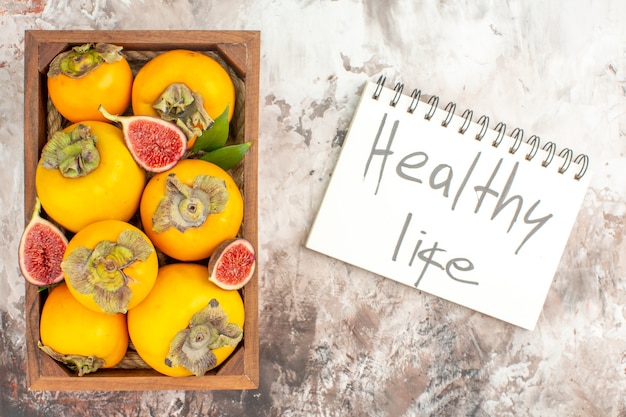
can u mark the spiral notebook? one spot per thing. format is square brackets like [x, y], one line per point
[447, 204]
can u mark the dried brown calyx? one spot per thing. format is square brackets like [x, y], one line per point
[77, 363]
[184, 207]
[100, 272]
[192, 348]
[81, 60]
[185, 108]
[73, 153]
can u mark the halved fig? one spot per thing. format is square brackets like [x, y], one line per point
[156, 144]
[232, 264]
[41, 250]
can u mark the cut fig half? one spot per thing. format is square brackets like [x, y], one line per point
[156, 144]
[41, 250]
[232, 264]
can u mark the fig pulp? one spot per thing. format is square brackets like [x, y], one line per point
[41, 250]
[156, 144]
[232, 264]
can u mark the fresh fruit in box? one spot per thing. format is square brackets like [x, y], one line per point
[190, 209]
[187, 325]
[87, 174]
[156, 145]
[41, 250]
[91, 181]
[186, 87]
[232, 264]
[81, 338]
[87, 76]
[110, 266]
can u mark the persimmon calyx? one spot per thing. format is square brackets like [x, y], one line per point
[100, 272]
[73, 153]
[77, 363]
[185, 108]
[192, 348]
[184, 207]
[83, 59]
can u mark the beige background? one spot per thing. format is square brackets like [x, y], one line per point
[335, 340]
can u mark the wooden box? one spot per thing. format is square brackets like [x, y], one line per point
[238, 51]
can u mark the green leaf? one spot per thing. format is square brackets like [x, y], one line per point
[227, 156]
[214, 137]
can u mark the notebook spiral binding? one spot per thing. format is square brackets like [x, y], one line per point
[517, 134]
